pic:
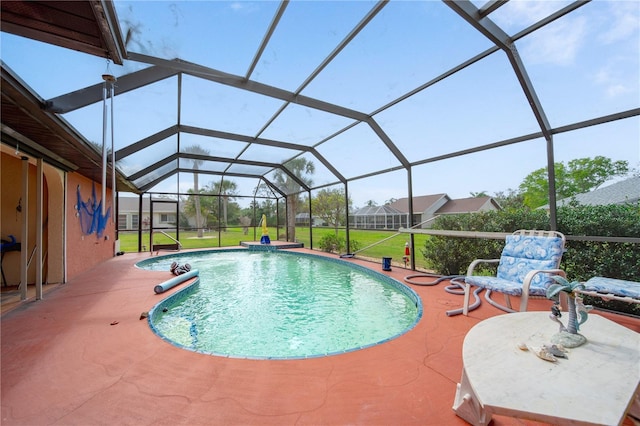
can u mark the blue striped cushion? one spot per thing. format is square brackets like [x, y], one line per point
[522, 254]
[512, 288]
[615, 286]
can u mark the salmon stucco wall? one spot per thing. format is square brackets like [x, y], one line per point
[85, 251]
[14, 211]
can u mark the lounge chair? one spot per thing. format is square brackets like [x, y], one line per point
[612, 289]
[527, 260]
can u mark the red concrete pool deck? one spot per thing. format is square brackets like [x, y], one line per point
[82, 356]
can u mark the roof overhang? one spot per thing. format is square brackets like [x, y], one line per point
[86, 26]
[36, 132]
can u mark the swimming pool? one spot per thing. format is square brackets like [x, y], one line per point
[280, 305]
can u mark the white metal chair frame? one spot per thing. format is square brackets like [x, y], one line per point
[524, 296]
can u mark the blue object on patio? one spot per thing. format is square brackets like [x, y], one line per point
[386, 263]
[527, 260]
[8, 245]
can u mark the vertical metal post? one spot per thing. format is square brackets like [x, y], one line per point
[116, 212]
[254, 219]
[278, 218]
[113, 159]
[310, 222]
[140, 223]
[24, 248]
[39, 230]
[219, 221]
[346, 230]
[412, 253]
[151, 224]
[107, 86]
[551, 176]
[178, 220]
[286, 221]
[104, 147]
[65, 202]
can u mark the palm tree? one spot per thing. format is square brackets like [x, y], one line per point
[227, 189]
[300, 167]
[197, 150]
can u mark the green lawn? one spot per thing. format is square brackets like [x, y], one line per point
[391, 247]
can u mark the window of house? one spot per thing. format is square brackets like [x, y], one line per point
[122, 221]
[167, 218]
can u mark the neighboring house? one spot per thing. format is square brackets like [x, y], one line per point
[425, 209]
[428, 207]
[469, 205]
[623, 192]
[164, 213]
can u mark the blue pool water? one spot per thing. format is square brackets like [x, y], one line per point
[276, 304]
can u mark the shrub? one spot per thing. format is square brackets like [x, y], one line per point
[582, 260]
[452, 256]
[331, 243]
[585, 259]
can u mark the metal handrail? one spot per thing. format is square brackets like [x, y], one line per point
[166, 235]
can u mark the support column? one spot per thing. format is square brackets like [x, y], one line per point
[39, 230]
[24, 250]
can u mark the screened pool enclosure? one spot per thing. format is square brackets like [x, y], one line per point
[379, 217]
[234, 109]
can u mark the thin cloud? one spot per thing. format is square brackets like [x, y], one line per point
[624, 22]
[557, 44]
[522, 13]
[244, 7]
[611, 78]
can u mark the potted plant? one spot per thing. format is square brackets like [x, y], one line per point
[568, 336]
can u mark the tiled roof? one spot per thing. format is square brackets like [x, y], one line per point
[420, 204]
[626, 191]
[466, 205]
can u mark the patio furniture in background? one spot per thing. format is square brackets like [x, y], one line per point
[612, 289]
[527, 260]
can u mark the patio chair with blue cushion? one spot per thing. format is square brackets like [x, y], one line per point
[528, 260]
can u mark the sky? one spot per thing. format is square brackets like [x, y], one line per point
[582, 66]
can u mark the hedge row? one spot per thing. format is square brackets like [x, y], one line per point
[582, 260]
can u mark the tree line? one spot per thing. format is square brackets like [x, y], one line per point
[216, 206]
